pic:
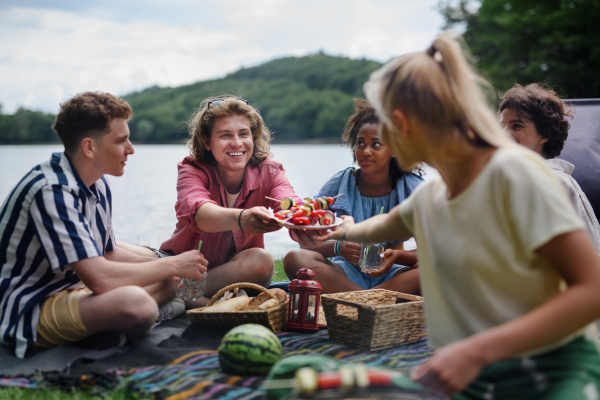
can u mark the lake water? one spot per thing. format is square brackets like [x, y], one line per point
[144, 197]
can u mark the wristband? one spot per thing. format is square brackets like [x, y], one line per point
[240, 220]
[336, 248]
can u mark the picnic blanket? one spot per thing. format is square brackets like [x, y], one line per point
[198, 374]
[180, 361]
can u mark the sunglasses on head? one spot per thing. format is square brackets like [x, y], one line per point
[221, 101]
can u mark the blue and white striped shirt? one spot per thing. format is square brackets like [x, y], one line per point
[49, 220]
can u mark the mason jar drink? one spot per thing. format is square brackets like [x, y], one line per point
[370, 256]
[192, 288]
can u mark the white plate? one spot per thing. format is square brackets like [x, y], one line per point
[337, 222]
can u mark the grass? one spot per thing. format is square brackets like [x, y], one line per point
[80, 394]
[279, 274]
[73, 394]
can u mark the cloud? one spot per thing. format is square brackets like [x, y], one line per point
[51, 55]
[48, 55]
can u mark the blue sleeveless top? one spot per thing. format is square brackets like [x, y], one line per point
[360, 208]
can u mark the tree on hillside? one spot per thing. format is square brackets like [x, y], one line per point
[524, 41]
[26, 126]
[317, 71]
[300, 98]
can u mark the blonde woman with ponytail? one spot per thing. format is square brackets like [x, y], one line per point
[509, 275]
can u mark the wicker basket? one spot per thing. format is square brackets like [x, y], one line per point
[273, 318]
[373, 319]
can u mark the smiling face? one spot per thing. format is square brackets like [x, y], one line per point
[113, 148]
[231, 143]
[371, 154]
[523, 131]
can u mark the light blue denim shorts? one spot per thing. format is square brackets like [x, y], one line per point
[363, 280]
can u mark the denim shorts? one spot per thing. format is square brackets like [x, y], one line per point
[363, 280]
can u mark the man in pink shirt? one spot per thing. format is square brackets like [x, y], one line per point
[221, 194]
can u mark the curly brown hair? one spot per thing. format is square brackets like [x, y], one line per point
[541, 105]
[203, 120]
[365, 114]
[88, 114]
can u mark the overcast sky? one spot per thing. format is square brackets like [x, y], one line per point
[51, 50]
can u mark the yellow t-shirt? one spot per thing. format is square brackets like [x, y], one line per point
[477, 260]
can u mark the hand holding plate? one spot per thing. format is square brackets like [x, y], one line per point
[336, 234]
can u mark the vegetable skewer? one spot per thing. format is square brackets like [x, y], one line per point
[307, 380]
[292, 202]
[306, 212]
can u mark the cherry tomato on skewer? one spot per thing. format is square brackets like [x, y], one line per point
[301, 221]
[319, 213]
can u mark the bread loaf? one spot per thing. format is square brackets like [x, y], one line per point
[280, 293]
[261, 298]
[268, 304]
[231, 305]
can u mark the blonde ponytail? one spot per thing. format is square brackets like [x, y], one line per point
[439, 88]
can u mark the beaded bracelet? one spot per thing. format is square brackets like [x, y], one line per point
[336, 248]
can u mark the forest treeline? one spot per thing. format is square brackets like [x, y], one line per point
[26, 126]
[300, 99]
[310, 98]
[525, 41]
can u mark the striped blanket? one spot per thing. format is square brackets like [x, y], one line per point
[197, 375]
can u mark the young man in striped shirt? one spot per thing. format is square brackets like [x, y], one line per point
[62, 277]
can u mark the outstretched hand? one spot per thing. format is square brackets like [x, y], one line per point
[391, 257]
[306, 238]
[451, 368]
[386, 264]
[258, 220]
[336, 233]
[313, 238]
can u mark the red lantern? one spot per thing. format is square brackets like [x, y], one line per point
[305, 297]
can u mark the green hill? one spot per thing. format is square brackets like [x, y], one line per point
[26, 126]
[300, 98]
